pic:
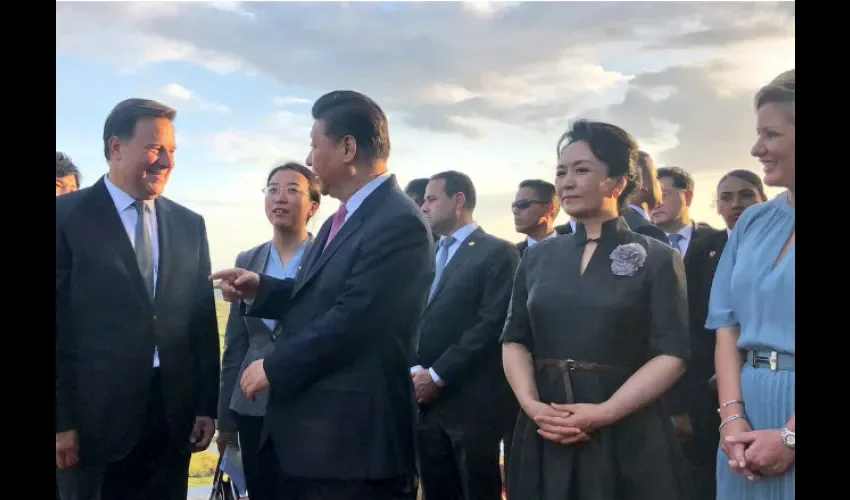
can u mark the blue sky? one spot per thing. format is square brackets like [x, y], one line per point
[486, 89]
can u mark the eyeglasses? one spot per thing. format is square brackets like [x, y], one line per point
[275, 190]
[523, 204]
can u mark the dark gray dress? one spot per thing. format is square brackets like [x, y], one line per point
[611, 320]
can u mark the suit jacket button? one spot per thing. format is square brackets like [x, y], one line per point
[154, 317]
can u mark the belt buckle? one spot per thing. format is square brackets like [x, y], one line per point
[772, 360]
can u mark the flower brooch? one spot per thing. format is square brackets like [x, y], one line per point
[627, 259]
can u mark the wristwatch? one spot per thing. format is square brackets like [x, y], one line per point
[788, 437]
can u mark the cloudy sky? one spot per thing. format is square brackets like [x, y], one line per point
[482, 87]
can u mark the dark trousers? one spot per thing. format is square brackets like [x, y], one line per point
[261, 483]
[458, 464]
[301, 488]
[157, 468]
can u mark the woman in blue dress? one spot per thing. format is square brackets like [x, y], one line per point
[752, 309]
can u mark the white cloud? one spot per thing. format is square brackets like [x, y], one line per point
[523, 64]
[177, 91]
[181, 93]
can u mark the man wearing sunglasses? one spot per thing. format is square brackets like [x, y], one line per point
[535, 208]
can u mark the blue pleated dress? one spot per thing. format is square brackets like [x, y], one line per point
[748, 291]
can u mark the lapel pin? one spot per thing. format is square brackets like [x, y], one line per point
[712, 254]
[472, 243]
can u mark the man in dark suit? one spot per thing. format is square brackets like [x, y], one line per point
[466, 403]
[535, 208]
[341, 410]
[692, 401]
[137, 348]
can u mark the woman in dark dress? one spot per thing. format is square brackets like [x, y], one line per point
[596, 332]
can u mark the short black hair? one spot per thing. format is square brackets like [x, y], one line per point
[312, 179]
[122, 120]
[350, 113]
[746, 176]
[416, 187]
[614, 147]
[681, 178]
[458, 182]
[66, 167]
[544, 190]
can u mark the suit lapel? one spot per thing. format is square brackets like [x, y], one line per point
[319, 255]
[116, 236]
[466, 250]
[166, 237]
[257, 263]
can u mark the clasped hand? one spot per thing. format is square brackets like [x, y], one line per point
[237, 283]
[566, 424]
[754, 453]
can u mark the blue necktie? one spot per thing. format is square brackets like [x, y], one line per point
[675, 239]
[442, 260]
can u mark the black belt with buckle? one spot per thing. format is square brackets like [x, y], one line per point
[771, 359]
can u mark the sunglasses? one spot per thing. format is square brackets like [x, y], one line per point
[523, 204]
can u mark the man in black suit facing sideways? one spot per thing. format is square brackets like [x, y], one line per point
[341, 409]
[466, 403]
[691, 400]
[137, 349]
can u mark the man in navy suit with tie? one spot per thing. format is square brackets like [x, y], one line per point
[341, 407]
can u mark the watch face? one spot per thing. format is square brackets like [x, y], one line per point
[789, 438]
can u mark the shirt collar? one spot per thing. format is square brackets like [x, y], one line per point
[121, 199]
[639, 210]
[687, 232]
[531, 241]
[463, 233]
[360, 196]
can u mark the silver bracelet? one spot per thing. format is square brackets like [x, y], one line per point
[727, 404]
[732, 419]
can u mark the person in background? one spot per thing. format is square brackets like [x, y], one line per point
[341, 408]
[645, 198]
[596, 333]
[737, 191]
[68, 177]
[466, 406]
[137, 345]
[535, 208]
[692, 401]
[752, 310]
[292, 197]
[415, 190]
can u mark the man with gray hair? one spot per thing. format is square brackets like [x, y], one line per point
[137, 346]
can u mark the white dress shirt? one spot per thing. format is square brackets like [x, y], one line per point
[124, 204]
